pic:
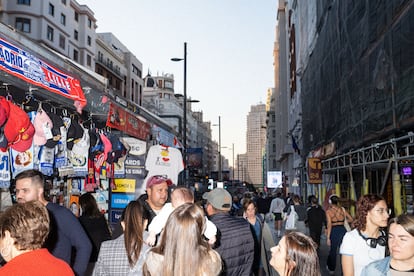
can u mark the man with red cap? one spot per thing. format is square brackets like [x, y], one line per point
[157, 194]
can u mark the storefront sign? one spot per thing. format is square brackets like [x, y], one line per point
[314, 171]
[121, 200]
[116, 216]
[123, 120]
[27, 67]
[124, 186]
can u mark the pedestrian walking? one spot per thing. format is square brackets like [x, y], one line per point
[366, 243]
[295, 255]
[276, 208]
[401, 246]
[235, 242]
[335, 230]
[316, 220]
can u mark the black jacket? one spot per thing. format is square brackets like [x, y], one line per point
[235, 244]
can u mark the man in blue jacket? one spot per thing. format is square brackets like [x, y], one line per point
[235, 242]
[65, 230]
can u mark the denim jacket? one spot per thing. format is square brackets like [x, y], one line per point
[378, 268]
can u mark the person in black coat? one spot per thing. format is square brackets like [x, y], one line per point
[235, 242]
[94, 223]
[316, 220]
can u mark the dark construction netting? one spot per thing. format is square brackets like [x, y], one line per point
[358, 86]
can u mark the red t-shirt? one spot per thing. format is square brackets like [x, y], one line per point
[38, 262]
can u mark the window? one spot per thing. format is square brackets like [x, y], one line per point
[76, 16]
[51, 10]
[62, 41]
[64, 2]
[23, 24]
[75, 55]
[50, 33]
[89, 23]
[23, 2]
[76, 35]
[63, 19]
[89, 40]
[88, 60]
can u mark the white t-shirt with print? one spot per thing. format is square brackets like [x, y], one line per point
[163, 160]
[354, 245]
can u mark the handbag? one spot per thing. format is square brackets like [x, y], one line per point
[346, 223]
[292, 219]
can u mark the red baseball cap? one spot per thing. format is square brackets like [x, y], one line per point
[24, 140]
[158, 179]
[18, 129]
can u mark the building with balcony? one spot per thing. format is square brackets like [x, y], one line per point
[121, 67]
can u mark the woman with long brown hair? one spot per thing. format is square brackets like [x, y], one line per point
[126, 254]
[182, 250]
[295, 255]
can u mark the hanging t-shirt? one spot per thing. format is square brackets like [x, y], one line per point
[162, 160]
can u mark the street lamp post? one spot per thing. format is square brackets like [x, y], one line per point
[184, 134]
[220, 164]
[232, 147]
[220, 174]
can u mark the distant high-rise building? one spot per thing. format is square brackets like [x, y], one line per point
[256, 142]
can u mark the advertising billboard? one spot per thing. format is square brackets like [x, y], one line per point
[274, 179]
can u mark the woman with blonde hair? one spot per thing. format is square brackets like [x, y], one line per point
[295, 255]
[182, 250]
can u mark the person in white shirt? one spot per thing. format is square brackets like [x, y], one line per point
[366, 243]
[179, 196]
[276, 207]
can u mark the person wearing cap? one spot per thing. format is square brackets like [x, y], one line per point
[235, 242]
[157, 194]
[65, 230]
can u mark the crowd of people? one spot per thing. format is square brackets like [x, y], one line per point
[169, 232]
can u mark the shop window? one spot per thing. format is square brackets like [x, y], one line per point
[75, 55]
[23, 2]
[76, 35]
[23, 24]
[63, 19]
[88, 60]
[62, 41]
[89, 40]
[51, 10]
[76, 16]
[50, 33]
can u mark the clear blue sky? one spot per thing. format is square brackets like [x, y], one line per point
[229, 52]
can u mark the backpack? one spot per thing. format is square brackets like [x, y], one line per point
[291, 219]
